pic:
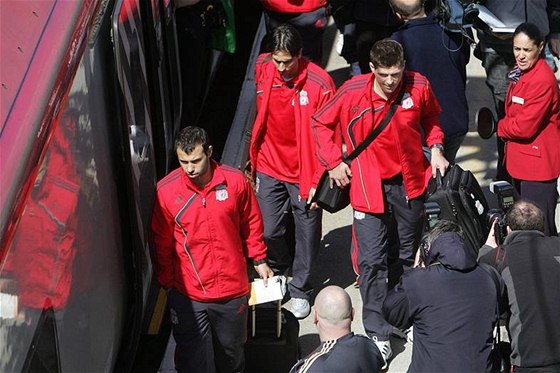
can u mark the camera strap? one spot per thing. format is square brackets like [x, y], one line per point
[496, 279]
[500, 258]
[377, 130]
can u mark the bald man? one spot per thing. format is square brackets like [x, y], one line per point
[340, 349]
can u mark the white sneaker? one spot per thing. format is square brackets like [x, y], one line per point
[385, 348]
[300, 308]
[339, 44]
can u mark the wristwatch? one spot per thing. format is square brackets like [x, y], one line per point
[437, 146]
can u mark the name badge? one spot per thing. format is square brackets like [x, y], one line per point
[518, 100]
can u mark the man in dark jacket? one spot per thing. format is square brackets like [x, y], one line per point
[374, 21]
[450, 301]
[445, 68]
[340, 349]
[529, 263]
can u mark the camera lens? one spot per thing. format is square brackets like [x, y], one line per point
[493, 216]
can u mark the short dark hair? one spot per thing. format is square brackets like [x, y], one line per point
[387, 53]
[189, 137]
[285, 38]
[531, 30]
[443, 226]
[525, 216]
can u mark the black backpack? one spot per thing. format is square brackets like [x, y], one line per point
[458, 197]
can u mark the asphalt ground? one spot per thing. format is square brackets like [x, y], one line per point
[333, 265]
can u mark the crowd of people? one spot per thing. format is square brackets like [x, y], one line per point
[209, 220]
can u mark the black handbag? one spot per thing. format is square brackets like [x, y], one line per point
[331, 199]
[335, 198]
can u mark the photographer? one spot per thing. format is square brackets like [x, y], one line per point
[450, 301]
[528, 262]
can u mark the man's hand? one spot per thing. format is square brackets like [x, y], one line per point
[418, 262]
[312, 205]
[438, 162]
[340, 175]
[491, 239]
[264, 272]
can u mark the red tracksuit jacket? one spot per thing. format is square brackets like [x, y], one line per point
[319, 88]
[531, 126]
[202, 239]
[41, 260]
[350, 111]
[290, 6]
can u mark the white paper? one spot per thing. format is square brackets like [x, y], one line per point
[8, 306]
[274, 291]
[495, 24]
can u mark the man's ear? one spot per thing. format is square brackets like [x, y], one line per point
[315, 317]
[371, 67]
[352, 315]
[209, 151]
[508, 229]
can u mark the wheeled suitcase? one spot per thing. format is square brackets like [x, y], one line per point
[458, 197]
[272, 343]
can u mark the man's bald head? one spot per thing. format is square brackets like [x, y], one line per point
[333, 305]
[408, 8]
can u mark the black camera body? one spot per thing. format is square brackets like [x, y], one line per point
[500, 230]
[432, 212]
[504, 193]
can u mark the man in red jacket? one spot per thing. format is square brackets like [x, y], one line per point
[389, 177]
[205, 223]
[308, 17]
[289, 90]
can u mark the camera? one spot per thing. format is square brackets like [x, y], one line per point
[431, 212]
[504, 193]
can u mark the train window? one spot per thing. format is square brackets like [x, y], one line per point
[66, 254]
[43, 353]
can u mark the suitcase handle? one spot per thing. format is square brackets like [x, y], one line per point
[278, 319]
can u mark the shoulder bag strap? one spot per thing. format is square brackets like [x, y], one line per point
[496, 278]
[369, 139]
